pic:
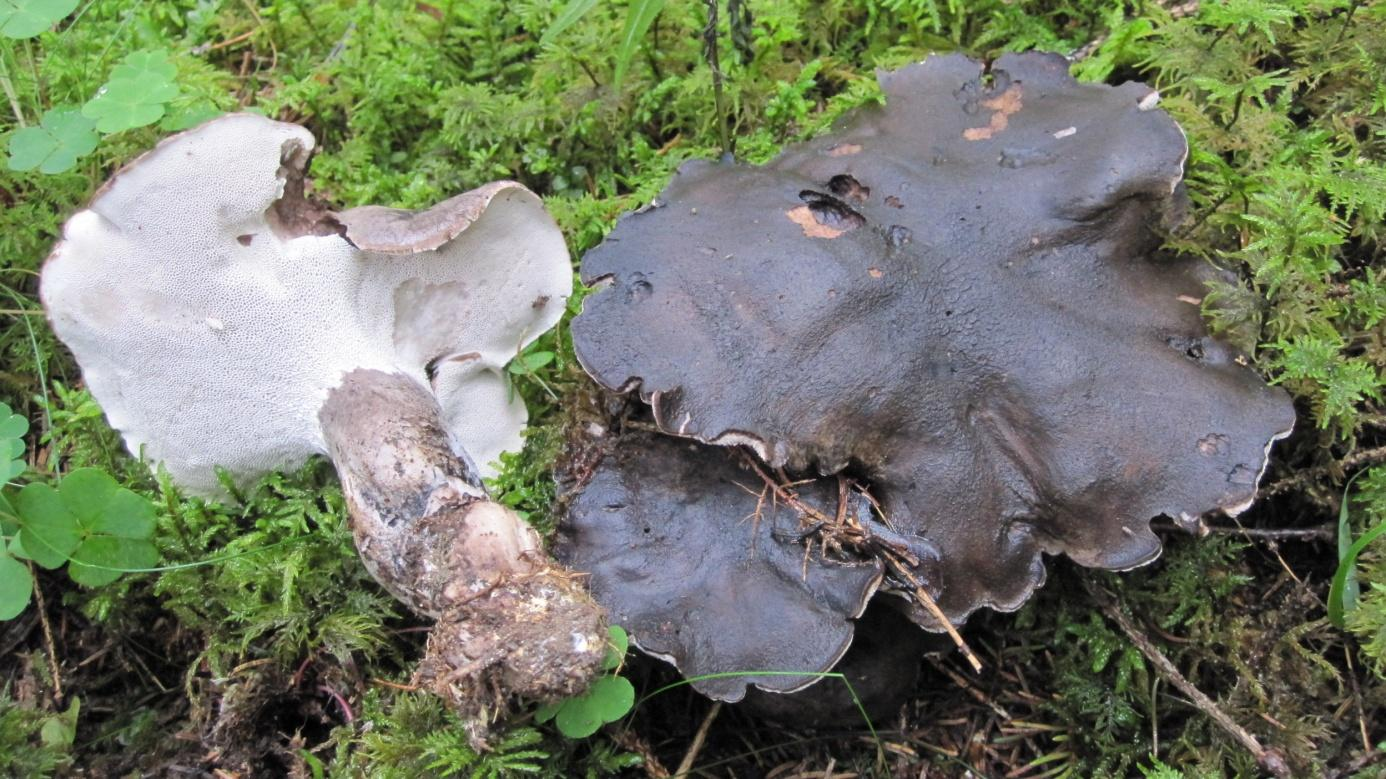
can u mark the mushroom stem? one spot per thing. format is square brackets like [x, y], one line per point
[510, 622]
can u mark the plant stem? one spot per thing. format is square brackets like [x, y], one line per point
[653, 48]
[8, 86]
[1324, 532]
[1236, 110]
[33, 69]
[1347, 22]
[710, 52]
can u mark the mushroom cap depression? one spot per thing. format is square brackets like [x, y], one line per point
[705, 572]
[212, 307]
[959, 297]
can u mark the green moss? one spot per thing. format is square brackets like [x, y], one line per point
[1286, 116]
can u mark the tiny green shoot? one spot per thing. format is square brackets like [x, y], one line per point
[1344, 591]
[527, 364]
[60, 730]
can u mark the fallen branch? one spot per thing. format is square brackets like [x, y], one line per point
[928, 602]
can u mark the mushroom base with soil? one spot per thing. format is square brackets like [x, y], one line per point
[509, 622]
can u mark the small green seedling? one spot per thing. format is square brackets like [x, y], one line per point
[1344, 590]
[640, 14]
[60, 730]
[527, 364]
[136, 93]
[27, 18]
[607, 700]
[61, 138]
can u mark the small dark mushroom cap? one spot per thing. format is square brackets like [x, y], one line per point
[959, 295]
[667, 531]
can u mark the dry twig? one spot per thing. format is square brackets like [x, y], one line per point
[847, 531]
[1271, 760]
[1328, 531]
[686, 764]
[1302, 479]
[49, 644]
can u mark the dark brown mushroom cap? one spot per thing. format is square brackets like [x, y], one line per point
[958, 294]
[666, 530]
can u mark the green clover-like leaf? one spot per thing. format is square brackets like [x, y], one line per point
[62, 137]
[12, 430]
[127, 103]
[16, 587]
[548, 711]
[617, 644]
[135, 93]
[576, 719]
[49, 531]
[85, 493]
[9, 520]
[99, 560]
[27, 18]
[147, 65]
[60, 730]
[607, 700]
[91, 522]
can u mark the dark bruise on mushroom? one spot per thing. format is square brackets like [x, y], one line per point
[958, 296]
[704, 569]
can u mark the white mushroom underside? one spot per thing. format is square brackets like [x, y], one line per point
[211, 341]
